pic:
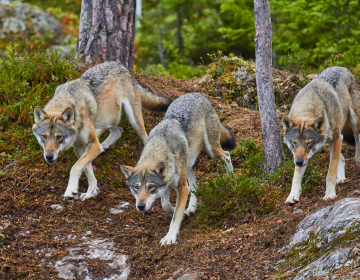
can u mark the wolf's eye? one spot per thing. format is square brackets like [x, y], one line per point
[309, 143]
[136, 187]
[151, 187]
[293, 142]
[59, 137]
[44, 136]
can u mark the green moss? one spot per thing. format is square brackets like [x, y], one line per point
[307, 251]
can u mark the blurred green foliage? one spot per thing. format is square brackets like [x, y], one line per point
[303, 30]
[174, 37]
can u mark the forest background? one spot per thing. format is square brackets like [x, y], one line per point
[176, 37]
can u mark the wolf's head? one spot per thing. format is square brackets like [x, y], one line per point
[146, 184]
[304, 137]
[54, 132]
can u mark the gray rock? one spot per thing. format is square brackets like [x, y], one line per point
[324, 242]
[21, 21]
[56, 207]
[187, 276]
[242, 76]
[64, 51]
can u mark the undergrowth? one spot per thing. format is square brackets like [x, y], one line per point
[28, 77]
[247, 191]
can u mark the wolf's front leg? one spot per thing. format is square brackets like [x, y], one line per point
[165, 202]
[294, 195]
[335, 148]
[94, 148]
[183, 192]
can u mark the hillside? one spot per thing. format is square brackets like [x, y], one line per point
[42, 241]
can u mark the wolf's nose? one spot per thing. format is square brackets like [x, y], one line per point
[299, 161]
[49, 156]
[141, 206]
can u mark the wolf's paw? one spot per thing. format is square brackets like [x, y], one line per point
[329, 196]
[292, 199]
[190, 211]
[89, 194]
[339, 181]
[168, 239]
[105, 146]
[71, 195]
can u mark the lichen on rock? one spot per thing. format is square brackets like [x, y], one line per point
[325, 241]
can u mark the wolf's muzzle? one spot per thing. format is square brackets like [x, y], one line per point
[299, 162]
[141, 206]
[49, 157]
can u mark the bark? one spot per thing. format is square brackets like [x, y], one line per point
[273, 151]
[161, 50]
[107, 31]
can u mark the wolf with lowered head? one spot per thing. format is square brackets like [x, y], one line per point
[322, 111]
[170, 152]
[83, 109]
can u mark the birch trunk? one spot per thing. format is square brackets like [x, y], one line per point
[273, 151]
[107, 31]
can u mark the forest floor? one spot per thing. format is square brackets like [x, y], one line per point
[36, 238]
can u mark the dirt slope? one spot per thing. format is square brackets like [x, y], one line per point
[242, 247]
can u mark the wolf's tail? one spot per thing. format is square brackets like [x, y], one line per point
[227, 139]
[348, 134]
[152, 101]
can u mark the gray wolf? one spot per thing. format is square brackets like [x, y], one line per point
[324, 109]
[83, 109]
[170, 152]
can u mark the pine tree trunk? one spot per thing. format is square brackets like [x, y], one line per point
[179, 35]
[273, 151]
[107, 31]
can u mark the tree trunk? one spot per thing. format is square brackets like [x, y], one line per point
[107, 31]
[273, 151]
[180, 40]
[161, 50]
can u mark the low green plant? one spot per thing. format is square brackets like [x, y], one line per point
[247, 190]
[28, 77]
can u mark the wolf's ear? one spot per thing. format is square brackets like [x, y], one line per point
[319, 125]
[68, 115]
[127, 170]
[39, 114]
[287, 123]
[160, 169]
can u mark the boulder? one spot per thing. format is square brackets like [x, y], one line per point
[19, 21]
[326, 243]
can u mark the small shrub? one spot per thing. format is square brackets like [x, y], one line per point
[28, 77]
[247, 191]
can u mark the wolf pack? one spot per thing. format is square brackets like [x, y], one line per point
[325, 111]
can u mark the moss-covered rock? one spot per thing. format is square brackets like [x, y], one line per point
[19, 21]
[234, 80]
[325, 242]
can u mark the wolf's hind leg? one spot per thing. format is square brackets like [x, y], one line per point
[193, 187]
[165, 202]
[294, 195]
[335, 152]
[340, 176]
[115, 134]
[93, 189]
[212, 141]
[135, 117]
